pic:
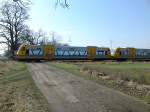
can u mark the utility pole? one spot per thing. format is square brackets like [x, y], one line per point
[111, 49]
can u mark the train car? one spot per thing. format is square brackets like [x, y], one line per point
[49, 52]
[142, 54]
[132, 54]
[35, 52]
[67, 52]
[123, 54]
[82, 53]
[103, 53]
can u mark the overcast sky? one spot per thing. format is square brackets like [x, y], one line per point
[95, 22]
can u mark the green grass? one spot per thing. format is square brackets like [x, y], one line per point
[117, 66]
[18, 92]
[137, 72]
[121, 65]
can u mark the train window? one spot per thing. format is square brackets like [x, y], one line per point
[125, 52]
[100, 53]
[27, 52]
[145, 53]
[139, 53]
[120, 53]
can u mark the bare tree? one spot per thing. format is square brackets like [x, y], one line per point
[62, 3]
[32, 37]
[56, 39]
[12, 24]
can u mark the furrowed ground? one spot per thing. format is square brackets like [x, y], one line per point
[18, 92]
[128, 77]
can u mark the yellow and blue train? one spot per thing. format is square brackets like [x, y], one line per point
[50, 52]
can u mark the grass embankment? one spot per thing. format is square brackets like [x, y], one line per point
[18, 92]
[130, 78]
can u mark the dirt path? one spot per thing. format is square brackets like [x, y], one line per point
[68, 93]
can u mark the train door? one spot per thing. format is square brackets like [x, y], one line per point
[49, 52]
[117, 53]
[131, 53]
[91, 52]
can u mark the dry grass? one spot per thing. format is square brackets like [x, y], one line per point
[18, 92]
[128, 77]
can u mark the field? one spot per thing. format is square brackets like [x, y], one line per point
[132, 78]
[18, 92]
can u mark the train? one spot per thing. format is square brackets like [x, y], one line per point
[51, 52]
